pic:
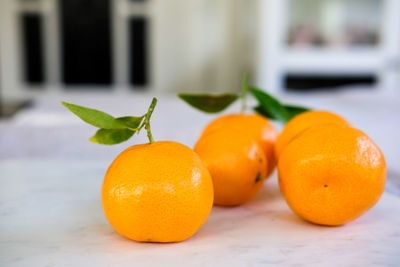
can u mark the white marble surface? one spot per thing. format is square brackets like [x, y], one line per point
[51, 215]
[50, 179]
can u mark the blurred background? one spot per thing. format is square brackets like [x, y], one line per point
[342, 55]
[50, 46]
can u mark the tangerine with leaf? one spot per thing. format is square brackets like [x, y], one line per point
[232, 144]
[329, 172]
[155, 192]
[256, 125]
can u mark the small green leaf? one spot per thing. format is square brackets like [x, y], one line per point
[270, 106]
[292, 111]
[295, 110]
[131, 122]
[111, 136]
[94, 117]
[264, 112]
[209, 103]
[113, 130]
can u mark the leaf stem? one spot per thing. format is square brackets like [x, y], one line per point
[147, 119]
[243, 95]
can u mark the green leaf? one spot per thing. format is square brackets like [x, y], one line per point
[131, 122]
[113, 130]
[111, 136]
[295, 110]
[260, 110]
[291, 110]
[95, 117]
[270, 106]
[209, 103]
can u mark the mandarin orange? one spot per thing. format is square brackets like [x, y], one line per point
[236, 163]
[253, 125]
[331, 174]
[159, 192]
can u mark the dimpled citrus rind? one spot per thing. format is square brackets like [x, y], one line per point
[254, 125]
[158, 192]
[302, 122]
[331, 174]
[236, 163]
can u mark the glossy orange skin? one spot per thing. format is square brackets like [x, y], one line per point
[254, 125]
[331, 174]
[158, 192]
[303, 121]
[236, 163]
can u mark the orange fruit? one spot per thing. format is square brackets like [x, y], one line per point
[236, 163]
[254, 125]
[303, 121]
[159, 192]
[331, 174]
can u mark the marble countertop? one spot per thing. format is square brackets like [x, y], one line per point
[51, 214]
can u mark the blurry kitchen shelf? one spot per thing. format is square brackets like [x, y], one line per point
[314, 60]
[277, 60]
